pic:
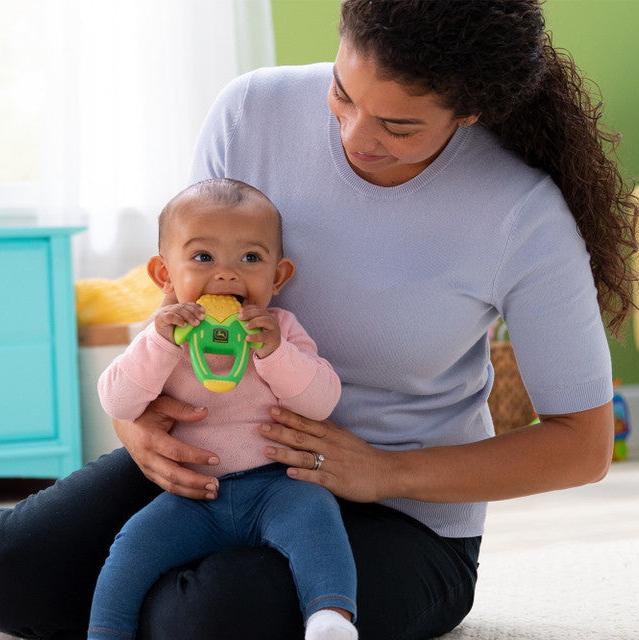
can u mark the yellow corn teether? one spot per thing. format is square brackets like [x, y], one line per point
[223, 333]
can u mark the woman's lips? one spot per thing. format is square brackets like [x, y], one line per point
[366, 157]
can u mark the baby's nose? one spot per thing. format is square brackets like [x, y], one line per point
[225, 274]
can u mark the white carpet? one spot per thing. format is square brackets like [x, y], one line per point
[562, 565]
[569, 591]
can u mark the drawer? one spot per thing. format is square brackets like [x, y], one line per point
[25, 286]
[27, 396]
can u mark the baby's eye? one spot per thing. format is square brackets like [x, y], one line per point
[203, 256]
[251, 257]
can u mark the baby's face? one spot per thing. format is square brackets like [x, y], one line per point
[223, 250]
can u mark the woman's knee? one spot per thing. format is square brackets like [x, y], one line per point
[239, 593]
[53, 543]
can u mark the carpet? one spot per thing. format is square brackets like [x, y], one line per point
[567, 591]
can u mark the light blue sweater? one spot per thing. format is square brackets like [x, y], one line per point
[398, 285]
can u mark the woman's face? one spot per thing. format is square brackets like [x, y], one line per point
[389, 135]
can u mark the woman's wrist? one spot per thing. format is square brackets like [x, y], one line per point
[125, 432]
[393, 475]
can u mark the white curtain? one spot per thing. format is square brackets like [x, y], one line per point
[128, 84]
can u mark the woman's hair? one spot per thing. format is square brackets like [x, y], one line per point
[494, 58]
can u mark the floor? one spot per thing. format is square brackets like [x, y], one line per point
[562, 565]
[606, 512]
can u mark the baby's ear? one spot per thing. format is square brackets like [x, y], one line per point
[284, 272]
[156, 268]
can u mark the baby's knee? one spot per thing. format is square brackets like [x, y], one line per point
[318, 503]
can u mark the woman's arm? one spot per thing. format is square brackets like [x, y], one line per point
[563, 451]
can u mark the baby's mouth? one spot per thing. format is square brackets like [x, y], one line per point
[238, 297]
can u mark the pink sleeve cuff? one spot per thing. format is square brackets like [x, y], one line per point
[150, 359]
[287, 370]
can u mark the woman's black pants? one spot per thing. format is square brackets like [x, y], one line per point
[412, 583]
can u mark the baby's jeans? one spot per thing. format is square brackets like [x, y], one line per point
[258, 507]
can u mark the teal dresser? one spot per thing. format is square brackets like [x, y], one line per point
[39, 398]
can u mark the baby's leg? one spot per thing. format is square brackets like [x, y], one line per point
[169, 532]
[303, 522]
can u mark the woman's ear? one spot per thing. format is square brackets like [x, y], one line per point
[156, 268]
[283, 273]
[468, 121]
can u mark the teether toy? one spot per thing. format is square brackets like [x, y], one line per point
[223, 333]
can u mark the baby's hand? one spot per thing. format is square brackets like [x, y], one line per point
[177, 315]
[270, 335]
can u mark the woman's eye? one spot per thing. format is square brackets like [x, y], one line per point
[338, 95]
[203, 256]
[251, 257]
[398, 135]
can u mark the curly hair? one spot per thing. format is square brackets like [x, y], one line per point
[494, 58]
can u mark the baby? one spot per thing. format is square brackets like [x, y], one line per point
[222, 236]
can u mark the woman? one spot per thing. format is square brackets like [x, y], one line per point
[457, 174]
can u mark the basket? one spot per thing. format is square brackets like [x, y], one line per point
[509, 403]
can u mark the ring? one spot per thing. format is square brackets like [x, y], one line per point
[319, 458]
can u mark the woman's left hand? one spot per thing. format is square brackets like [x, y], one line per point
[351, 468]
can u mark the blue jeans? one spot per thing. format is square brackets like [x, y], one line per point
[258, 507]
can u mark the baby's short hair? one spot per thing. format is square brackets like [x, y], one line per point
[221, 191]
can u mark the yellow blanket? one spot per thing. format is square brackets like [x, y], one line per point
[131, 298]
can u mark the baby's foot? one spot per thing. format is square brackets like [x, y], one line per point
[329, 625]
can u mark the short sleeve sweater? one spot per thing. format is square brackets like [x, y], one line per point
[399, 285]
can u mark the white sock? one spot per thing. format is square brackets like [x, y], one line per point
[329, 625]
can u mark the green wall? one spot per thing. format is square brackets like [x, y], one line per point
[603, 38]
[601, 35]
[305, 30]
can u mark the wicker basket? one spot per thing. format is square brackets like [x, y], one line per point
[509, 403]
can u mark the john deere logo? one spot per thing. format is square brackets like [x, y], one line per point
[220, 335]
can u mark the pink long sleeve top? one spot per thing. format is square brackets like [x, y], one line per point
[293, 376]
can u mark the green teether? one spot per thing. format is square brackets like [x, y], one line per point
[223, 333]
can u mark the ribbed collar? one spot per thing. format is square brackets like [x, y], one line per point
[376, 192]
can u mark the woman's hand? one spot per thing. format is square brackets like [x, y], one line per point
[158, 454]
[351, 469]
